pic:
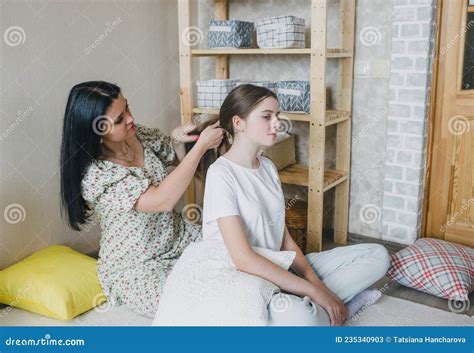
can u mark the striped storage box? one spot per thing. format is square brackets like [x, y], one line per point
[267, 84]
[293, 96]
[230, 34]
[280, 32]
[211, 93]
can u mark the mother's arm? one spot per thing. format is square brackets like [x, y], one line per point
[164, 197]
[180, 150]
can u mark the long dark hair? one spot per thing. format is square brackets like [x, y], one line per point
[240, 101]
[83, 123]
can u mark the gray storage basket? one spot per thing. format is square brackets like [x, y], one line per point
[280, 32]
[211, 93]
[294, 96]
[230, 34]
[267, 84]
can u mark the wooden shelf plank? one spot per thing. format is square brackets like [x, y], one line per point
[332, 116]
[336, 116]
[331, 53]
[297, 174]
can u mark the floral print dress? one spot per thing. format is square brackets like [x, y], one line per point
[137, 249]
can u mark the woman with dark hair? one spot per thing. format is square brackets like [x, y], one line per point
[118, 169]
[244, 207]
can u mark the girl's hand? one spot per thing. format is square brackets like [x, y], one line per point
[335, 308]
[211, 136]
[180, 134]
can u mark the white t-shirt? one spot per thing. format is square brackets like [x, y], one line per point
[253, 194]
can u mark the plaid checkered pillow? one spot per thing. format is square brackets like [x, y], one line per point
[436, 267]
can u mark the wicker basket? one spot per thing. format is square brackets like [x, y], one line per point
[296, 219]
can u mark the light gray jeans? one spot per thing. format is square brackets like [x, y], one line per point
[346, 271]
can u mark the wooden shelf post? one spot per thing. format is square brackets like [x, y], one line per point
[185, 82]
[317, 128]
[343, 135]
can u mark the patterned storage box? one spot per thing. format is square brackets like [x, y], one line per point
[230, 34]
[280, 32]
[267, 84]
[293, 96]
[211, 93]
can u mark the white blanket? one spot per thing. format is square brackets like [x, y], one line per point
[205, 289]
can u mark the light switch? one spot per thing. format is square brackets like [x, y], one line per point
[380, 69]
[362, 69]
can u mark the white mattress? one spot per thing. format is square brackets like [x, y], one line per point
[388, 311]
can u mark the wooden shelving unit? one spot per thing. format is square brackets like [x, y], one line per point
[314, 176]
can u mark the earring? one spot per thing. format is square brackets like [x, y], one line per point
[101, 140]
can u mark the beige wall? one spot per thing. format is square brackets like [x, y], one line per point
[39, 62]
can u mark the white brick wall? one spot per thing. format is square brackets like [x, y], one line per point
[409, 87]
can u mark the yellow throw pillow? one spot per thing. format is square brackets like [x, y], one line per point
[57, 282]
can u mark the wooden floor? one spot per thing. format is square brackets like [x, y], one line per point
[392, 288]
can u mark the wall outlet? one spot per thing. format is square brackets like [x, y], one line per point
[380, 69]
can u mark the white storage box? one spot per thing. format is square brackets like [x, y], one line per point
[280, 32]
[211, 93]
